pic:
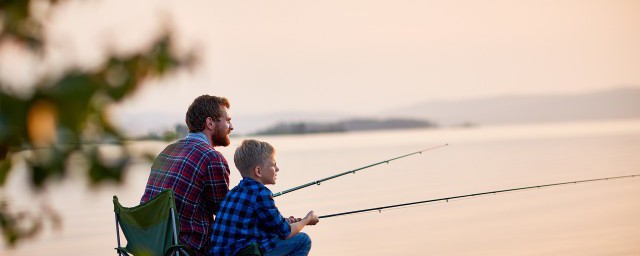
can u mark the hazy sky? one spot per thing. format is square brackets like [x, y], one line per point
[363, 56]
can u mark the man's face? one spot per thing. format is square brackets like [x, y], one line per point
[221, 129]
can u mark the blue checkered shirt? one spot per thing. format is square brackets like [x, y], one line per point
[247, 215]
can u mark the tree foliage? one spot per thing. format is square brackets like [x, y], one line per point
[65, 116]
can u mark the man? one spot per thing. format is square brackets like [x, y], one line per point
[197, 173]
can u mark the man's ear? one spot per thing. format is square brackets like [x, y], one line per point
[210, 122]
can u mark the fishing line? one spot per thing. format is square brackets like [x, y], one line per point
[468, 196]
[318, 182]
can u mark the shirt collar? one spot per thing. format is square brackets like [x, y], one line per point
[252, 182]
[198, 136]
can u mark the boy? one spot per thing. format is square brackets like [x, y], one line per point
[248, 213]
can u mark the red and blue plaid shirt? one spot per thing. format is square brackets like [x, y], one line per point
[247, 215]
[199, 177]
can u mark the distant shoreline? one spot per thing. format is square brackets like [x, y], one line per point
[360, 124]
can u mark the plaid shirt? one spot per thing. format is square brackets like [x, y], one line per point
[199, 177]
[247, 215]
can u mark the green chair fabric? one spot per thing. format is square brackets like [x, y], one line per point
[251, 250]
[151, 229]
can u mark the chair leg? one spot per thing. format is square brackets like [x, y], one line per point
[178, 251]
[118, 233]
[175, 232]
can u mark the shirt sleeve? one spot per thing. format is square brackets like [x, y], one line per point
[216, 182]
[269, 216]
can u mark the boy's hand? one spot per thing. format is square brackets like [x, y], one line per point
[292, 219]
[312, 218]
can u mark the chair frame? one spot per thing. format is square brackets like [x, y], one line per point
[176, 247]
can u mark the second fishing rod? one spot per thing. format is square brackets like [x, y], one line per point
[318, 182]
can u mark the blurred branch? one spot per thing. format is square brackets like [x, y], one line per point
[18, 24]
[67, 116]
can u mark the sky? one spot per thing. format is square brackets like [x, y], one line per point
[356, 57]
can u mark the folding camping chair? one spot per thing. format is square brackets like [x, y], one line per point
[251, 250]
[151, 228]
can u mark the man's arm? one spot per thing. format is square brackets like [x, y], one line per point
[310, 219]
[216, 182]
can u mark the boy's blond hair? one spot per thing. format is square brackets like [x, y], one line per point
[251, 154]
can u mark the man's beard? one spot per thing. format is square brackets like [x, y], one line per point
[221, 138]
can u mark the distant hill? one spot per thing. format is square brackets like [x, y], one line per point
[507, 109]
[343, 126]
[247, 124]
[612, 104]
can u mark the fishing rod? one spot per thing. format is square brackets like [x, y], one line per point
[317, 182]
[446, 199]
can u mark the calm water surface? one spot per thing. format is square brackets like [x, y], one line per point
[599, 218]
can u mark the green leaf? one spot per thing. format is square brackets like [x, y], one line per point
[5, 167]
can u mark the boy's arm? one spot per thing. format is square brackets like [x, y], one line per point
[269, 218]
[310, 219]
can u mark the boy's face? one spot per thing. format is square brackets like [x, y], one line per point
[269, 171]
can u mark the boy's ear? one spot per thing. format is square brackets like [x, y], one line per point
[257, 171]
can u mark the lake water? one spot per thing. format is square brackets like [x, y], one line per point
[600, 218]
